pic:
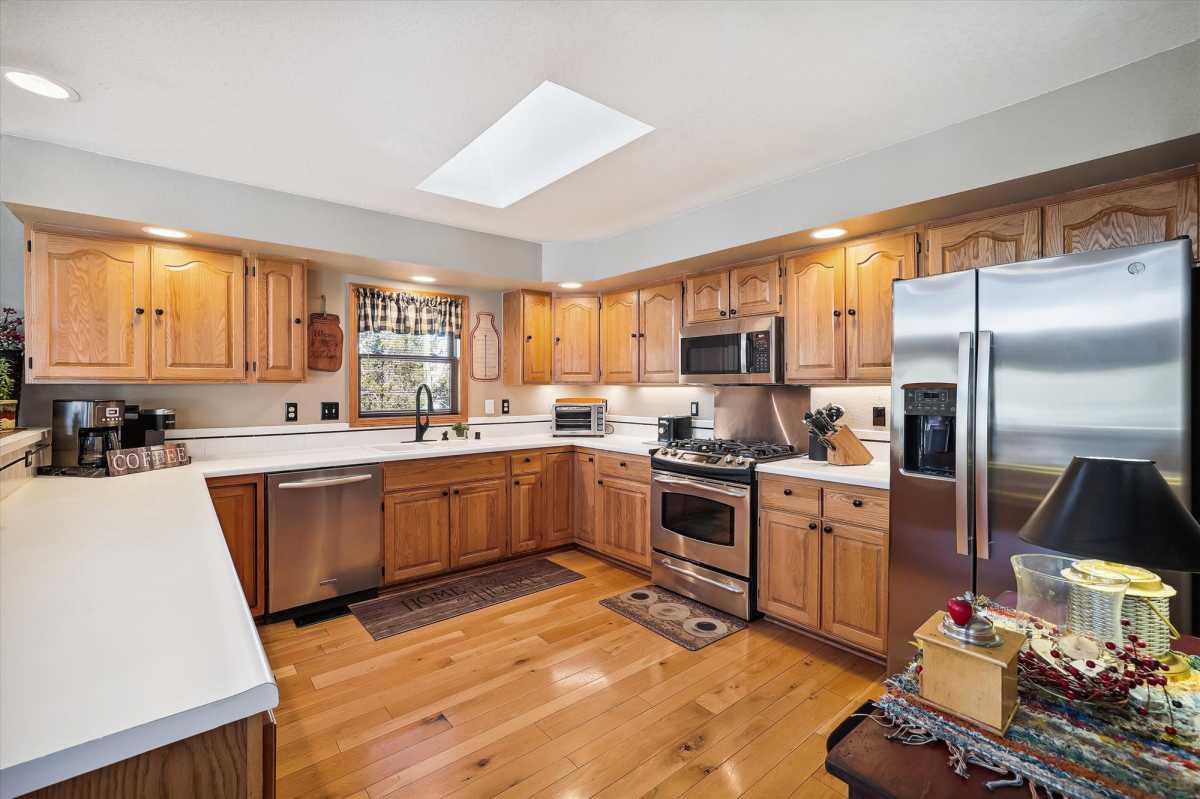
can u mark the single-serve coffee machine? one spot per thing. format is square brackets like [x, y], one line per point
[83, 432]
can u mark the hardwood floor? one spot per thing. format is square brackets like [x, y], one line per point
[552, 695]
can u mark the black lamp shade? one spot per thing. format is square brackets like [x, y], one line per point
[1119, 510]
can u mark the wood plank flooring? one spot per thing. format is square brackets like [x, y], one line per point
[552, 695]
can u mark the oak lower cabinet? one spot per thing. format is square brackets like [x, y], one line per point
[558, 520]
[478, 523]
[525, 514]
[416, 533]
[826, 570]
[239, 503]
[584, 496]
[623, 520]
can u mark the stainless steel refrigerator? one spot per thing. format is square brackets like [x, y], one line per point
[999, 377]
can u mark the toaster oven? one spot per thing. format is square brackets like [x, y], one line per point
[579, 416]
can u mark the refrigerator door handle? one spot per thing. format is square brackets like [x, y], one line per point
[982, 424]
[962, 447]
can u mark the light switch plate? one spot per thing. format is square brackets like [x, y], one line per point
[878, 416]
[504, 406]
[695, 409]
[291, 411]
[329, 411]
[489, 407]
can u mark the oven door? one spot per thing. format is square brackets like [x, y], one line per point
[705, 521]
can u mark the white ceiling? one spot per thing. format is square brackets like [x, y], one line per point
[357, 103]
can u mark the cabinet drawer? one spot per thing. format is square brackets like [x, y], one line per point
[442, 471]
[526, 462]
[857, 507]
[628, 467]
[789, 495]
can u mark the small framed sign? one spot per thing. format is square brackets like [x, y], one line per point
[147, 459]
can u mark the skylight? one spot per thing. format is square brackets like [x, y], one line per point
[551, 133]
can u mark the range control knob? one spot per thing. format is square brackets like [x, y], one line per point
[729, 459]
[740, 460]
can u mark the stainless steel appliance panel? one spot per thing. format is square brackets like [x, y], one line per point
[928, 561]
[721, 591]
[763, 413]
[1090, 354]
[323, 534]
[745, 351]
[703, 520]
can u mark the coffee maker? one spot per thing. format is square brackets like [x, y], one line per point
[146, 427]
[83, 432]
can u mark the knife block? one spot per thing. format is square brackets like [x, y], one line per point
[849, 450]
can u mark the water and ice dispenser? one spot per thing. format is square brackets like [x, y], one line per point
[929, 429]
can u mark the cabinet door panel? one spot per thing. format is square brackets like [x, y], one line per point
[525, 513]
[478, 523]
[619, 337]
[854, 582]
[585, 498]
[199, 324]
[279, 325]
[870, 269]
[997, 240]
[239, 506]
[536, 361]
[660, 319]
[814, 325]
[416, 534]
[623, 520]
[789, 567]
[83, 298]
[557, 526]
[754, 288]
[577, 340]
[1124, 218]
[707, 297]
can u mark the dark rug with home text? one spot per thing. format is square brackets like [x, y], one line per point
[446, 598]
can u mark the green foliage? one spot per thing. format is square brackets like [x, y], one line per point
[460, 429]
[6, 379]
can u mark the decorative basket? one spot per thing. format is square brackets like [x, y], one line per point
[1094, 602]
[1146, 606]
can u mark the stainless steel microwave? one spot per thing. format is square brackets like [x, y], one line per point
[746, 351]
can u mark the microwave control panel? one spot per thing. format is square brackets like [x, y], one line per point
[758, 352]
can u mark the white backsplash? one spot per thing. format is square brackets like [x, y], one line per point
[858, 402]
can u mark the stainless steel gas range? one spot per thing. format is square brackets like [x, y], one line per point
[704, 502]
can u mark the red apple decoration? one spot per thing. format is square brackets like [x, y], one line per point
[960, 610]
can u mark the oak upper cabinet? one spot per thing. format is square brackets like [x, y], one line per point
[754, 288]
[557, 497]
[577, 340]
[1123, 218]
[86, 305]
[278, 332]
[619, 337]
[478, 523]
[238, 502]
[659, 319]
[525, 513]
[789, 567]
[623, 520]
[814, 326]
[707, 297]
[528, 350]
[871, 266]
[198, 328]
[1003, 239]
[416, 533]
[585, 498]
[854, 580]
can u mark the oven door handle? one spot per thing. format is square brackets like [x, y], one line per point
[731, 589]
[699, 486]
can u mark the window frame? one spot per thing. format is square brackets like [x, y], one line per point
[353, 398]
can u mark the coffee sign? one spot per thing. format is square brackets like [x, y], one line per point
[146, 459]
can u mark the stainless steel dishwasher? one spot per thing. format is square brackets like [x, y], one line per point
[323, 534]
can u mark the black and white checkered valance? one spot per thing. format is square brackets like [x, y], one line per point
[381, 311]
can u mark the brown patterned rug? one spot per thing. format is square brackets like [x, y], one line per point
[689, 623]
[436, 601]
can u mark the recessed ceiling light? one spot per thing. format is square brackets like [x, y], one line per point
[828, 233]
[548, 135]
[39, 84]
[166, 232]
[570, 285]
[424, 279]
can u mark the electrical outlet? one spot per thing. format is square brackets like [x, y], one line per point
[878, 416]
[695, 409]
[489, 407]
[291, 411]
[504, 407]
[329, 411]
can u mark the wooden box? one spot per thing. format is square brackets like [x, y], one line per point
[974, 682]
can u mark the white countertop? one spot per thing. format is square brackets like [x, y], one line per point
[123, 626]
[876, 474]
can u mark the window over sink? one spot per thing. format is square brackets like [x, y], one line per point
[401, 340]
